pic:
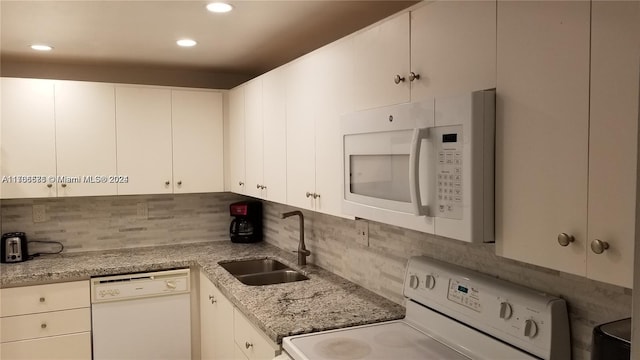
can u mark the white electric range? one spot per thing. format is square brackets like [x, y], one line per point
[452, 313]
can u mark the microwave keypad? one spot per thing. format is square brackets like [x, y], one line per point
[449, 189]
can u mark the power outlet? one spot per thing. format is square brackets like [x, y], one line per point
[362, 230]
[142, 210]
[39, 213]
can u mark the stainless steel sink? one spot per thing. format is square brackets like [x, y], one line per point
[273, 277]
[262, 272]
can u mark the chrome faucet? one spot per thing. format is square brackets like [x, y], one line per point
[302, 250]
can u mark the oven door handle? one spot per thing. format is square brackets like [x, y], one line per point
[414, 171]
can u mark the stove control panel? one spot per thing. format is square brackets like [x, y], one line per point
[464, 294]
[530, 320]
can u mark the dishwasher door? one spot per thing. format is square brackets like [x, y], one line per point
[142, 316]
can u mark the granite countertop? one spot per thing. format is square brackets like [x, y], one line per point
[325, 301]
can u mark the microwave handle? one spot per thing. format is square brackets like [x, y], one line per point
[414, 171]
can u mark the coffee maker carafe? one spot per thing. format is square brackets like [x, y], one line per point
[246, 227]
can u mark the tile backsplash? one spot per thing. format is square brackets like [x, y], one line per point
[379, 266]
[100, 223]
[115, 222]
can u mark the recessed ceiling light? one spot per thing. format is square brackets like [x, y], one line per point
[41, 47]
[186, 42]
[219, 7]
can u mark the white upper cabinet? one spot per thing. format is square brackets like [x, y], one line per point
[318, 93]
[453, 48]
[143, 119]
[253, 124]
[566, 146]
[381, 64]
[443, 48]
[85, 137]
[274, 117]
[28, 138]
[236, 140]
[613, 143]
[336, 63]
[542, 124]
[302, 77]
[196, 119]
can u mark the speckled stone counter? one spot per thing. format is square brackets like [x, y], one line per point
[325, 301]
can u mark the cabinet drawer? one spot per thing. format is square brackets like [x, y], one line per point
[41, 298]
[253, 343]
[64, 347]
[54, 323]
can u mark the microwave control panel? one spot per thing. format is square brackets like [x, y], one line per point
[449, 194]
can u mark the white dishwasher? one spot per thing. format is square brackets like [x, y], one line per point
[141, 316]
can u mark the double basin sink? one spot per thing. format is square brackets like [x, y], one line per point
[259, 272]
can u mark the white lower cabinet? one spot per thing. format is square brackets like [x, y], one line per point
[46, 322]
[253, 343]
[216, 322]
[225, 333]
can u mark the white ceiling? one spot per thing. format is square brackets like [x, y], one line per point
[255, 37]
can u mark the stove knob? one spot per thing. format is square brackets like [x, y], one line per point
[430, 282]
[414, 282]
[505, 310]
[530, 328]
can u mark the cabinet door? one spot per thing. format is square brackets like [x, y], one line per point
[252, 341]
[381, 53]
[542, 132]
[28, 138]
[64, 347]
[196, 118]
[301, 114]
[613, 138]
[216, 322]
[335, 63]
[253, 137]
[453, 48]
[274, 117]
[85, 136]
[236, 140]
[143, 120]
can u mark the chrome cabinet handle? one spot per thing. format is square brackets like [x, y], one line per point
[599, 246]
[398, 79]
[565, 239]
[240, 183]
[49, 185]
[264, 187]
[248, 345]
[212, 299]
[43, 325]
[309, 194]
[413, 76]
[315, 196]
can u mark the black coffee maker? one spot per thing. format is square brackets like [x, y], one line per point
[246, 226]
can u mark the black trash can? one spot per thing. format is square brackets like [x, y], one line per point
[612, 341]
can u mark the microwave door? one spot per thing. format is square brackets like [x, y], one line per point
[377, 170]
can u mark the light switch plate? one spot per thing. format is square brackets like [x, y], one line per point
[362, 230]
[39, 213]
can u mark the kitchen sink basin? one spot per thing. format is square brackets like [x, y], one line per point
[273, 277]
[262, 272]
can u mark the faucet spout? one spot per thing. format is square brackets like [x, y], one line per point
[302, 250]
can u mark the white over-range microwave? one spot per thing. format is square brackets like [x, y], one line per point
[426, 166]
